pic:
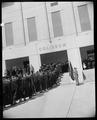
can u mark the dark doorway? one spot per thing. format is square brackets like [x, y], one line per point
[88, 57]
[18, 62]
[55, 57]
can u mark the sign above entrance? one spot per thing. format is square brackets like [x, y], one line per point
[51, 47]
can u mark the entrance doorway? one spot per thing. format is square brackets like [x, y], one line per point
[18, 62]
[88, 57]
[55, 57]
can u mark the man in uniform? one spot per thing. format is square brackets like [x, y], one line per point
[32, 85]
[13, 81]
[37, 82]
[75, 72]
[6, 92]
[45, 79]
[20, 94]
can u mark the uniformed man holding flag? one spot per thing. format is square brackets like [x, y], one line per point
[74, 74]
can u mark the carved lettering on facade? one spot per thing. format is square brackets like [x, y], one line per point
[48, 47]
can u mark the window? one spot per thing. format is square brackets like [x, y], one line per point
[57, 25]
[84, 18]
[6, 4]
[9, 34]
[54, 3]
[32, 29]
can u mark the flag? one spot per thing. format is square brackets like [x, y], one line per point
[84, 77]
[71, 71]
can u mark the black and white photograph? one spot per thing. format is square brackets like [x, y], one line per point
[48, 59]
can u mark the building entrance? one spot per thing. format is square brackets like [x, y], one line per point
[55, 57]
[18, 62]
[88, 57]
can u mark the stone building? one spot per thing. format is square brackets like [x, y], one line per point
[45, 32]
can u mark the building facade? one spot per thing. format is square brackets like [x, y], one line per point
[44, 32]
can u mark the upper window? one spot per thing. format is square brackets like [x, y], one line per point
[6, 4]
[32, 29]
[54, 3]
[84, 18]
[57, 25]
[9, 34]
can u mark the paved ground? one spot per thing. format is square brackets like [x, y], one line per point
[66, 100]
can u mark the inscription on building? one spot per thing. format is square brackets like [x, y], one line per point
[51, 47]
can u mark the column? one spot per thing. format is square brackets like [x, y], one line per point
[35, 61]
[75, 58]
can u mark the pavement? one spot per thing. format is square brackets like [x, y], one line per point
[64, 101]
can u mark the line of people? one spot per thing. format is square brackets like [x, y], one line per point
[20, 83]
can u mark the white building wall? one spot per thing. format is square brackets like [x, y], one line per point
[36, 10]
[85, 39]
[71, 40]
[65, 9]
[68, 20]
[3, 39]
[13, 14]
[90, 12]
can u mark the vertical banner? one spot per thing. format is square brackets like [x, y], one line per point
[71, 71]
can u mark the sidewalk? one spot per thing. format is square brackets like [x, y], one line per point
[66, 100]
[83, 103]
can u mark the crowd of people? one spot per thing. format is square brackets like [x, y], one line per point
[20, 83]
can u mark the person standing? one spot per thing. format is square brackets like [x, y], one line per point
[32, 85]
[84, 65]
[31, 69]
[75, 73]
